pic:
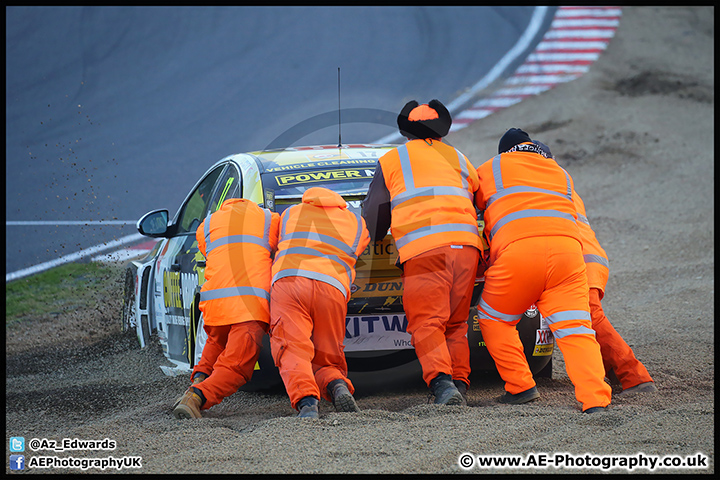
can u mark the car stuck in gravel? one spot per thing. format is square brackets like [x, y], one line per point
[162, 290]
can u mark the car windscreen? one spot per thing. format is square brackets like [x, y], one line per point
[283, 189]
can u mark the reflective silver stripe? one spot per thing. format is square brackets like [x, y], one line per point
[312, 275]
[487, 312]
[433, 229]
[568, 315]
[266, 230]
[233, 292]
[430, 192]
[358, 235]
[316, 253]
[263, 242]
[406, 167]
[583, 219]
[569, 185]
[531, 213]
[207, 231]
[564, 332]
[463, 169]
[239, 239]
[318, 237]
[283, 227]
[597, 259]
[521, 189]
[497, 173]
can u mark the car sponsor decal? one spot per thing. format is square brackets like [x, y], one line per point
[543, 350]
[376, 332]
[386, 287]
[319, 176]
[543, 343]
[357, 162]
[179, 290]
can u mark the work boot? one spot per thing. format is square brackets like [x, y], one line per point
[199, 377]
[189, 405]
[445, 391]
[462, 388]
[518, 398]
[595, 409]
[308, 407]
[645, 387]
[341, 396]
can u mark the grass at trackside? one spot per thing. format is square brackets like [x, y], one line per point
[68, 287]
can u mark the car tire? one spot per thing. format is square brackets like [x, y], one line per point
[128, 309]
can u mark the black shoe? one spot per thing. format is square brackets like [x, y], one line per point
[518, 398]
[308, 408]
[341, 396]
[445, 391]
[595, 409]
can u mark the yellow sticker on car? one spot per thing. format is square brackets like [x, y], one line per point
[301, 178]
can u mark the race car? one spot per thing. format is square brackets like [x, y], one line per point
[162, 290]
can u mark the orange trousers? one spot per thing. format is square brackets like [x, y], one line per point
[617, 355]
[307, 330]
[437, 291]
[550, 272]
[229, 358]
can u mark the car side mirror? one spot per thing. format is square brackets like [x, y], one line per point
[154, 224]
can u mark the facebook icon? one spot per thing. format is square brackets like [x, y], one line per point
[17, 462]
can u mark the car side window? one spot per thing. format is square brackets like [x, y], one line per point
[227, 187]
[193, 212]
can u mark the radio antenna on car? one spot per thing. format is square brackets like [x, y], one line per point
[339, 121]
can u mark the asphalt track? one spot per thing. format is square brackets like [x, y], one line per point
[115, 111]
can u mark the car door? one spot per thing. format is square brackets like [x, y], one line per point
[178, 273]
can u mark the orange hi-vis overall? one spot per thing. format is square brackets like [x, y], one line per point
[536, 257]
[617, 355]
[434, 225]
[320, 241]
[237, 242]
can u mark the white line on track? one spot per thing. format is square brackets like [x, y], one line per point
[69, 222]
[73, 257]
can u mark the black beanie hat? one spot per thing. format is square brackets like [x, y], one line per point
[436, 125]
[512, 137]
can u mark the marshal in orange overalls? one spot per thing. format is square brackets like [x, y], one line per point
[320, 241]
[536, 257]
[237, 242]
[429, 186]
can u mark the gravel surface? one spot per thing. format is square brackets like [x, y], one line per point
[636, 133]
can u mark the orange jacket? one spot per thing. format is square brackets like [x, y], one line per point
[596, 260]
[431, 186]
[237, 242]
[320, 239]
[525, 194]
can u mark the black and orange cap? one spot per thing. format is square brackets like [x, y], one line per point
[431, 120]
